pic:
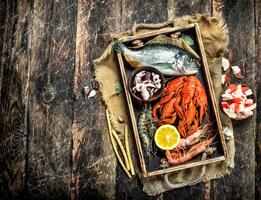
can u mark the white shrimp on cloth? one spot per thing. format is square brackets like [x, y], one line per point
[215, 38]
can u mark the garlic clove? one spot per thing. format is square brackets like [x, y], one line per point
[92, 93]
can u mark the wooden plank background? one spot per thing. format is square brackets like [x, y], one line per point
[52, 139]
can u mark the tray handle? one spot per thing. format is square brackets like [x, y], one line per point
[194, 181]
[150, 26]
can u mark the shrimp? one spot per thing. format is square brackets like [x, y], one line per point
[150, 122]
[195, 150]
[194, 138]
[143, 132]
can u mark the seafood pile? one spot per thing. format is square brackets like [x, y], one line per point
[237, 102]
[182, 105]
[168, 59]
[184, 100]
[146, 84]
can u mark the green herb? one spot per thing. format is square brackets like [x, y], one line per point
[188, 39]
[118, 87]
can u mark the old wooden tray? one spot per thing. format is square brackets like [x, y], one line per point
[135, 107]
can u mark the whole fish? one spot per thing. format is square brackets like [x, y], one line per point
[168, 59]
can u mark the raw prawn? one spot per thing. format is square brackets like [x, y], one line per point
[178, 158]
[194, 138]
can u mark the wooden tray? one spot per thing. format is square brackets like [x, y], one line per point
[135, 107]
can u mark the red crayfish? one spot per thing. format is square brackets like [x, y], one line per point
[185, 99]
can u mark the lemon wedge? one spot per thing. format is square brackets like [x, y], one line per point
[167, 137]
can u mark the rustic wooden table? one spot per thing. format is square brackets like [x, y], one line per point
[51, 137]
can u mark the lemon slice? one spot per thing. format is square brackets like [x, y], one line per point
[167, 137]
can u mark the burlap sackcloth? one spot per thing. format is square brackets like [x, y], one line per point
[215, 38]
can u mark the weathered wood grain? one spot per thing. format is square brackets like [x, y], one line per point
[93, 159]
[177, 8]
[52, 145]
[258, 97]
[142, 12]
[14, 31]
[52, 44]
[2, 32]
[240, 184]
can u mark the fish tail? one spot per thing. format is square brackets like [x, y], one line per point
[119, 47]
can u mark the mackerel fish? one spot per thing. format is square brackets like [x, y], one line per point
[168, 59]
